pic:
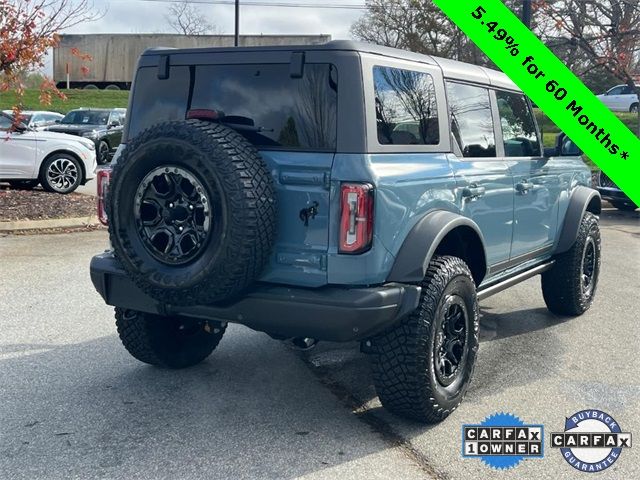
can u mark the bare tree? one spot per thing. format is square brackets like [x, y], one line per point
[187, 19]
[416, 25]
[606, 32]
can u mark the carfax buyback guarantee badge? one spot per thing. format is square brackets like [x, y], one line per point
[502, 441]
[592, 440]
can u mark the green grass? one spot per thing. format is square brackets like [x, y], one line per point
[75, 99]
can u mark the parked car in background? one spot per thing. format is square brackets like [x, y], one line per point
[37, 120]
[60, 163]
[612, 193]
[620, 98]
[102, 126]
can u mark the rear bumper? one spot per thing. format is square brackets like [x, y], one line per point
[329, 313]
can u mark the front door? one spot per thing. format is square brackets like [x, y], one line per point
[536, 183]
[485, 185]
[17, 151]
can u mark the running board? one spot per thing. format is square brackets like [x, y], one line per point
[511, 281]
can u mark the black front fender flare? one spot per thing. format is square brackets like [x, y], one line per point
[422, 242]
[582, 199]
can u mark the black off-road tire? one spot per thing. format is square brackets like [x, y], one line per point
[564, 287]
[625, 207]
[242, 200]
[170, 342]
[24, 184]
[404, 358]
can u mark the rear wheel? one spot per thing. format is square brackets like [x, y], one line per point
[423, 366]
[634, 108]
[171, 342]
[24, 184]
[570, 286]
[61, 173]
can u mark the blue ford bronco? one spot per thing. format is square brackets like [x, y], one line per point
[340, 192]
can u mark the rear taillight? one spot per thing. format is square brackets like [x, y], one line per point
[104, 178]
[356, 221]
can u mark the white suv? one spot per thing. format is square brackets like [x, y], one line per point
[620, 98]
[59, 162]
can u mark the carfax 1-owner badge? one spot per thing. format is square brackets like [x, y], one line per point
[592, 440]
[502, 441]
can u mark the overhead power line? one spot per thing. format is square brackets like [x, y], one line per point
[258, 3]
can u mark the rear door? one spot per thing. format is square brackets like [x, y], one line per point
[536, 180]
[484, 181]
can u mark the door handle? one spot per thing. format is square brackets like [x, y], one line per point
[473, 191]
[523, 187]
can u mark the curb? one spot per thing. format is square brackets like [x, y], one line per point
[8, 227]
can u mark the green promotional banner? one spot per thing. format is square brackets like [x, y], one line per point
[552, 86]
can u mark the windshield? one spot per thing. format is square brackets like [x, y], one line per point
[80, 117]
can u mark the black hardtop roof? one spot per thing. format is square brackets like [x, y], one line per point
[335, 45]
[450, 68]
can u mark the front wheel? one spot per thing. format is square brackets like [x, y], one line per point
[422, 367]
[61, 173]
[570, 286]
[634, 108]
[167, 341]
[103, 152]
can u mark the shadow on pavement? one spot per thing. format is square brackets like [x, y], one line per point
[249, 411]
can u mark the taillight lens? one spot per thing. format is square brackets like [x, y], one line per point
[104, 178]
[356, 222]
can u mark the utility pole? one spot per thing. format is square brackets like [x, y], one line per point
[526, 13]
[237, 39]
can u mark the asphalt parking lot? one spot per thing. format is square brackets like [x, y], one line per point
[74, 404]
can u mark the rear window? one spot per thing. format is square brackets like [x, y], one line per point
[406, 110]
[262, 102]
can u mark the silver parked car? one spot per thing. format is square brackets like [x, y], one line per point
[38, 120]
[620, 98]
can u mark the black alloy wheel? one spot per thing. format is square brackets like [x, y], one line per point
[173, 213]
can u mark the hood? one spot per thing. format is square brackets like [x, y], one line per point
[76, 129]
[49, 135]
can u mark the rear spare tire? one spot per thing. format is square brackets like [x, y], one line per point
[191, 212]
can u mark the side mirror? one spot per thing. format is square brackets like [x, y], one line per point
[57, 121]
[114, 124]
[566, 148]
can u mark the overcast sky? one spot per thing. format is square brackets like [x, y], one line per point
[136, 16]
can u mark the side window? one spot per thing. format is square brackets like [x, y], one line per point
[5, 123]
[615, 91]
[519, 132]
[406, 110]
[471, 119]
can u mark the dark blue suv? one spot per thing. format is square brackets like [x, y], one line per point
[338, 192]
